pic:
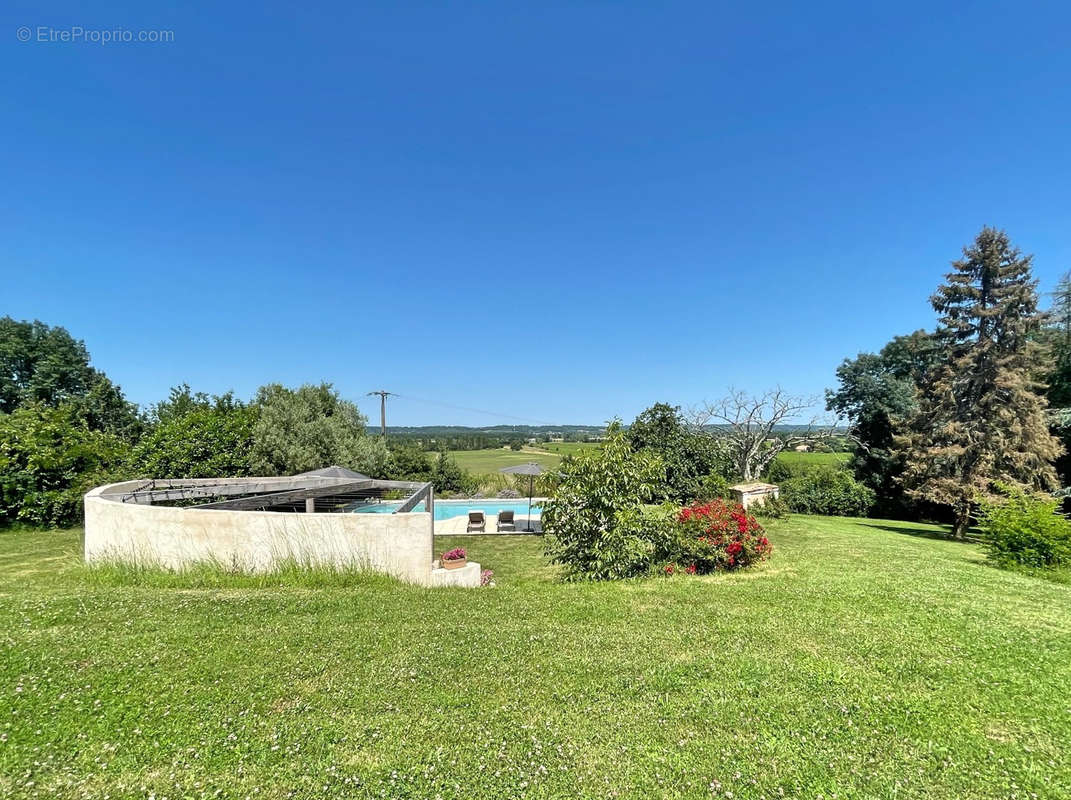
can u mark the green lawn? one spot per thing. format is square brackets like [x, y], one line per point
[864, 660]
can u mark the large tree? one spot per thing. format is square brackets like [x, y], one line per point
[42, 364]
[876, 394]
[311, 427]
[748, 427]
[689, 456]
[982, 412]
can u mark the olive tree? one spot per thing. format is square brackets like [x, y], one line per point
[312, 427]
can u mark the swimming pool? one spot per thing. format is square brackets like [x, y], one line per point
[448, 509]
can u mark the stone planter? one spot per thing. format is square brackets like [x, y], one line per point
[456, 563]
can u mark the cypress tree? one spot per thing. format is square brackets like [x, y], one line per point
[981, 416]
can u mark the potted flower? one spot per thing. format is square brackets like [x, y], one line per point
[454, 559]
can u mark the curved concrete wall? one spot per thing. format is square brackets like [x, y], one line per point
[397, 544]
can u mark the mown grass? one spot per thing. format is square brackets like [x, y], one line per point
[866, 659]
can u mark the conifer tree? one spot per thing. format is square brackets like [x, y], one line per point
[1059, 339]
[982, 411]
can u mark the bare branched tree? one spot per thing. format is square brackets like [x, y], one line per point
[746, 423]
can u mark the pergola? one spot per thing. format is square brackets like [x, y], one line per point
[329, 490]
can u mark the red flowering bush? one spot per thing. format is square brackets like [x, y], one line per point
[719, 536]
[456, 554]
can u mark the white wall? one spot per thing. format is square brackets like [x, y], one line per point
[397, 544]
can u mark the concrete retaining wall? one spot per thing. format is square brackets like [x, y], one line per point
[397, 544]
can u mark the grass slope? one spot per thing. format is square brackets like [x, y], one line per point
[865, 660]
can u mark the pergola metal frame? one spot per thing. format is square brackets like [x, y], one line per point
[330, 490]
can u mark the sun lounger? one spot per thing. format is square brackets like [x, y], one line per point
[505, 521]
[477, 522]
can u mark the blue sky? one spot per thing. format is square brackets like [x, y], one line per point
[553, 212]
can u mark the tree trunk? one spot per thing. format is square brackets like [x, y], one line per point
[963, 521]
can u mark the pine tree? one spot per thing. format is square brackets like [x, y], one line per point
[981, 415]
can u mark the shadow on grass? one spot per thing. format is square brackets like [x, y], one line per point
[925, 533]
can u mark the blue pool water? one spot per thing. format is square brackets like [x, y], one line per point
[447, 509]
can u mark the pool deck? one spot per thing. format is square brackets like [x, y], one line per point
[455, 526]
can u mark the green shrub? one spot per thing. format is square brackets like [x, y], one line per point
[771, 508]
[49, 458]
[597, 527]
[712, 487]
[827, 491]
[202, 442]
[1025, 530]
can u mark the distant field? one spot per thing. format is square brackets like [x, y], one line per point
[794, 459]
[484, 461]
[548, 455]
[569, 448]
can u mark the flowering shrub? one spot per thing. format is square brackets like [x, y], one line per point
[719, 536]
[487, 578]
[456, 554]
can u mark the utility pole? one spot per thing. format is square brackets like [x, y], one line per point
[382, 409]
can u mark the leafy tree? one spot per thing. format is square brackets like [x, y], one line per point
[40, 364]
[981, 416]
[688, 457]
[409, 463]
[206, 441]
[595, 519]
[448, 476]
[876, 395]
[49, 458]
[104, 408]
[181, 401]
[312, 427]
[44, 364]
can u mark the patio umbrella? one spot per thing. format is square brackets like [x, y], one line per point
[531, 469]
